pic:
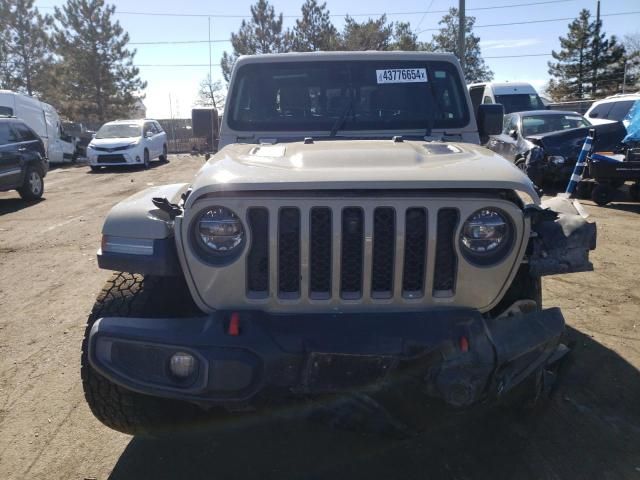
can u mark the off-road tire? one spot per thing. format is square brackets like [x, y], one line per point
[163, 157]
[602, 194]
[33, 186]
[584, 190]
[133, 295]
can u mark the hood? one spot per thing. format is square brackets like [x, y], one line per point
[357, 164]
[569, 142]
[113, 142]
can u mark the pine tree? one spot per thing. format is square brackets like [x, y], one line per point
[262, 34]
[26, 49]
[404, 38]
[98, 81]
[572, 71]
[314, 31]
[608, 67]
[446, 40]
[589, 64]
[368, 35]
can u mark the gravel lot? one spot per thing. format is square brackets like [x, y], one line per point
[49, 279]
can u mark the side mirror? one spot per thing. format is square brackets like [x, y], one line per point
[513, 133]
[489, 119]
[149, 134]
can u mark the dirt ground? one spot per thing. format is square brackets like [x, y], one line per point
[49, 279]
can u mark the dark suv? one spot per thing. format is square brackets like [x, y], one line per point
[23, 161]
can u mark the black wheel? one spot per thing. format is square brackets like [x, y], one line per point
[634, 192]
[33, 186]
[147, 162]
[132, 295]
[95, 168]
[163, 157]
[584, 189]
[602, 194]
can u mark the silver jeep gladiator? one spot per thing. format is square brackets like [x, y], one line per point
[350, 233]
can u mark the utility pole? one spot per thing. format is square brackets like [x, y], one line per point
[596, 47]
[461, 29]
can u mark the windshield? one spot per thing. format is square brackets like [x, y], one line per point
[521, 102]
[332, 95]
[537, 124]
[119, 130]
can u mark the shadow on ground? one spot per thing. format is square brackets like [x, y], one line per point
[126, 168]
[590, 429]
[11, 205]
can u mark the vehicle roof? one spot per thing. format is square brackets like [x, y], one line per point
[546, 112]
[138, 121]
[502, 88]
[618, 97]
[345, 56]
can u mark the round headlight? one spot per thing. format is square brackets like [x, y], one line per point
[486, 236]
[219, 231]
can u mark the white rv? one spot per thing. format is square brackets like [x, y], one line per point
[44, 120]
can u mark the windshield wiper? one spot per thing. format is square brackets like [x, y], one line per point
[343, 117]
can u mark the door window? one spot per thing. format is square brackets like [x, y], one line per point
[7, 135]
[148, 127]
[158, 127]
[24, 133]
[620, 110]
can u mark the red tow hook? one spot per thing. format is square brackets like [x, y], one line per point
[234, 325]
[464, 344]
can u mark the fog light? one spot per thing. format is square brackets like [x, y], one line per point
[182, 364]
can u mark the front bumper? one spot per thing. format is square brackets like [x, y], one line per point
[116, 158]
[461, 357]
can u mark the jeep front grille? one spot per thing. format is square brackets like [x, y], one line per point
[341, 269]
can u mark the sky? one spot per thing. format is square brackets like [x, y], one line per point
[172, 89]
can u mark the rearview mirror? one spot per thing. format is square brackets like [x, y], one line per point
[513, 133]
[489, 119]
[149, 134]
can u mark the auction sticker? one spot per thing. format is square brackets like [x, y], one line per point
[402, 75]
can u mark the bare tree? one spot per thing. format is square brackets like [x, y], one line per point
[212, 94]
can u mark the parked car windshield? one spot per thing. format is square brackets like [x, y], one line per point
[520, 102]
[356, 95]
[537, 124]
[119, 130]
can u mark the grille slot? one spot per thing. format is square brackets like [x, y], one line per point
[384, 244]
[320, 247]
[446, 262]
[351, 254]
[415, 252]
[289, 252]
[258, 256]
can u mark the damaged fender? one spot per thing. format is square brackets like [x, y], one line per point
[561, 238]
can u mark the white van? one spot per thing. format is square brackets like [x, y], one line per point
[514, 96]
[44, 120]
